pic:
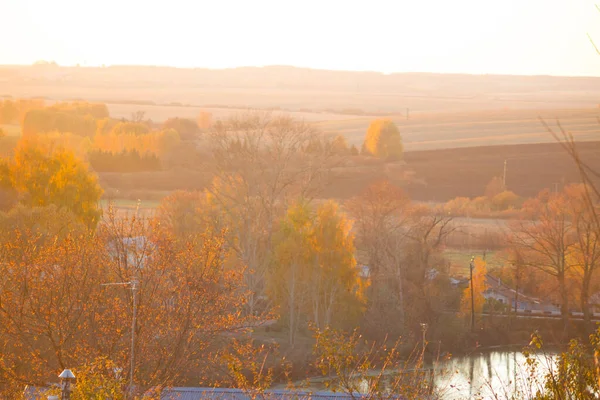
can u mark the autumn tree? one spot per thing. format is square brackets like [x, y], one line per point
[125, 161]
[133, 128]
[506, 200]
[340, 145]
[204, 120]
[78, 118]
[186, 300]
[291, 266]
[8, 195]
[259, 162]
[8, 112]
[138, 116]
[585, 257]
[380, 215]
[184, 214]
[99, 379]
[186, 128]
[44, 176]
[95, 110]
[383, 140]
[314, 276]
[43, 330]
[545, 238]
[159, 143]
[494, 187]
[479, 286]
[13, 111]
[426, 232]
[333, 274]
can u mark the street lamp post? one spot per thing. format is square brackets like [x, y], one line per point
[471, 267]
[67, 378]
[134, 289]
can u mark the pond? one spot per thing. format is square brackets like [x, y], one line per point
[490, 374]
[495, 374]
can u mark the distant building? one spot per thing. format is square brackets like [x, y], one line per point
[507, 295]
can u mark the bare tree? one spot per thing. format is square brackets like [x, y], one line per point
[426, 233]
[545, 238]
[259, 162]
[586, 250]
[138, 116]
[381, 214]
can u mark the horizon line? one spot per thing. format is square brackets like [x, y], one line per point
[53, 64]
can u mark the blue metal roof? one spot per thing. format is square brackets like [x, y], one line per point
[198, 393]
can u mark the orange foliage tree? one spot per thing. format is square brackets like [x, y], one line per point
[43, 175]
[545, 237]
[55, 313]
[259, 163]
[479, 287]
[383, 140]
[313, 276]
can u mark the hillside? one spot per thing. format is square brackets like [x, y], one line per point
[299, 88]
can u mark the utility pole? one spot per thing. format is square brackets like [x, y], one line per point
[517, 276]
[133, 284]
[471, 266]
[504, 177]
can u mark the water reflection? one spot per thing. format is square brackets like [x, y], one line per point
[483, 375]
[493, 374]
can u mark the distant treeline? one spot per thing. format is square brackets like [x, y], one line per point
[125, 161]
[13, 111]
[78, 118]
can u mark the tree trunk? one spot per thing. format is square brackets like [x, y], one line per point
[400, 298]
[292, 305]
[564, 307]
[585, 294]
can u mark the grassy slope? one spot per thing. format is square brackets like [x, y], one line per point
[459, 261]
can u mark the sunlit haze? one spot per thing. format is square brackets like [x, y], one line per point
[466, 36]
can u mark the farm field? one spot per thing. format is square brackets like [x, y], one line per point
[299, 88]
[160, 113]
[459, 260]
[422, 131]
[448, 173]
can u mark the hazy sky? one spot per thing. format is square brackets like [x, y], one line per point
[472, 36]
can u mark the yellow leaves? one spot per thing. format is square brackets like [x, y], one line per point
[130, 136]
[314, 260]
[479, 285]
[44, 174]
[383, 139]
